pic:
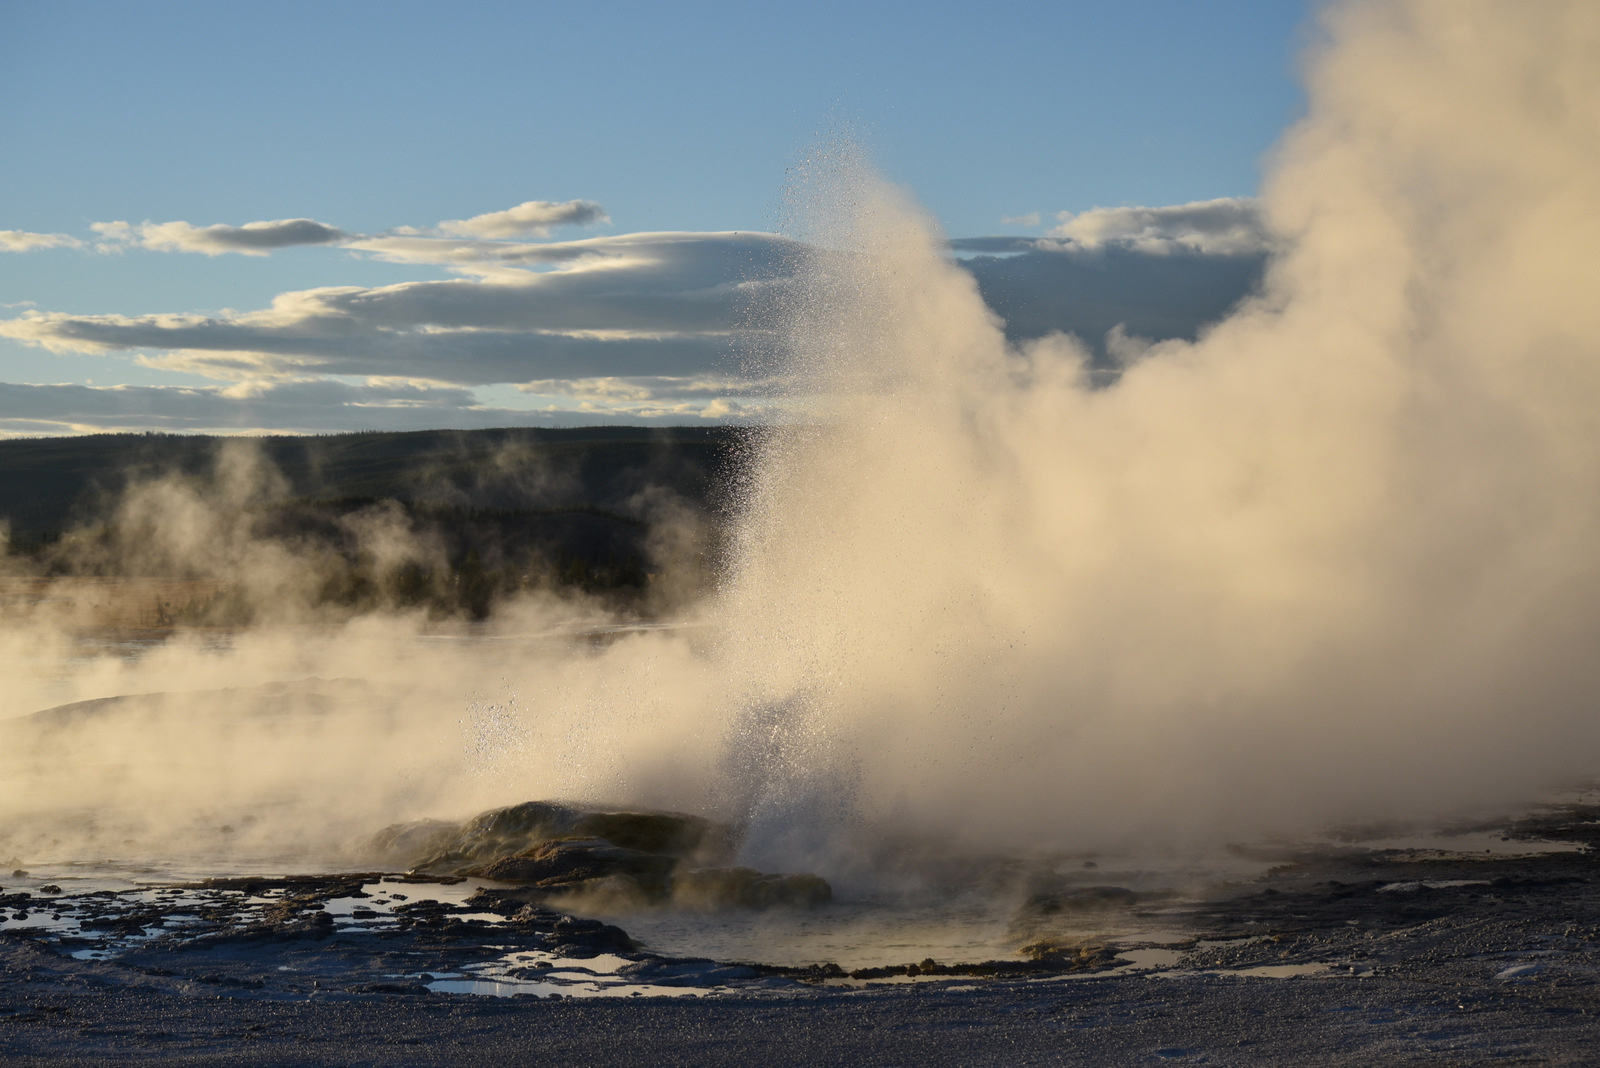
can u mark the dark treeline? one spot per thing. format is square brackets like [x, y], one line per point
[623, 512]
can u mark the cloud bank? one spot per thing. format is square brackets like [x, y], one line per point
[643, 304]
[626, 309]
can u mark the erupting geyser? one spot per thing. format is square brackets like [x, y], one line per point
[1339, 557]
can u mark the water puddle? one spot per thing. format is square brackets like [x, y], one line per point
[534, 973]
[509, 988]
[1429, 884]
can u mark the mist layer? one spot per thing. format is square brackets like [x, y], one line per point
[1335, 559]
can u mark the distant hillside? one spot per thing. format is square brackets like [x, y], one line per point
[489, 511]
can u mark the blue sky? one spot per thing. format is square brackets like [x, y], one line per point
[371, 117]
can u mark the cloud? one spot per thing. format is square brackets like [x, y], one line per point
[628, 321]
[1043, 286]
[23, 241]
[651, 387]
[327, 404]
[531, 218]
[645, 304]
[1000, 244]
[1227, 226]
[624, 307]
[664, 397]
[251, 239]
[1030, 219]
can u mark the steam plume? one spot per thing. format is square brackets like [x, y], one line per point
[1339, 557]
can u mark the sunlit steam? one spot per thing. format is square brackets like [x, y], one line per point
[1339, 557]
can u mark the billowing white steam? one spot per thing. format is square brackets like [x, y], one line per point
[1341, 557]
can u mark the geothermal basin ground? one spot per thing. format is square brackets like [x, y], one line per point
[1476, 946]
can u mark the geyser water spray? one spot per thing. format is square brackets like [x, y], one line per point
[1335, 559]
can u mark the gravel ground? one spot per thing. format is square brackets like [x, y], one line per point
[1334, 957]
[67, 1013]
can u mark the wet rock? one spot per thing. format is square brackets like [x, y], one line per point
[127, 923]
[714, 888]
[434, 846]
[503, 900]
[411, 989]
[571, 861]
[670, 833]
[533, 916]
[499, 833]
[617, 859]
[577, 936]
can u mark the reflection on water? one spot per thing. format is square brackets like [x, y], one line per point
[865, 933]
[539, 974]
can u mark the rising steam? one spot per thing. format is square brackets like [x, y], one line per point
[1339, 557]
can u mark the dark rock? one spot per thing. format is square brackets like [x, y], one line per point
[518, 830]
[669, 833]
[622, 859]
[571, 861]
[499, 833]
[572, 933]
[531, 914]
[402, 845]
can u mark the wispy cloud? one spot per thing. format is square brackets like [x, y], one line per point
[531, 218]
[665, 397]
[251, 239]
[1029, 219]
[1226, 226]
[23, 241]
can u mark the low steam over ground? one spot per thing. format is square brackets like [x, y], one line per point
[1336, 559]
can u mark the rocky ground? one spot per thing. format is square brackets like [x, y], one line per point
[1358, 956]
